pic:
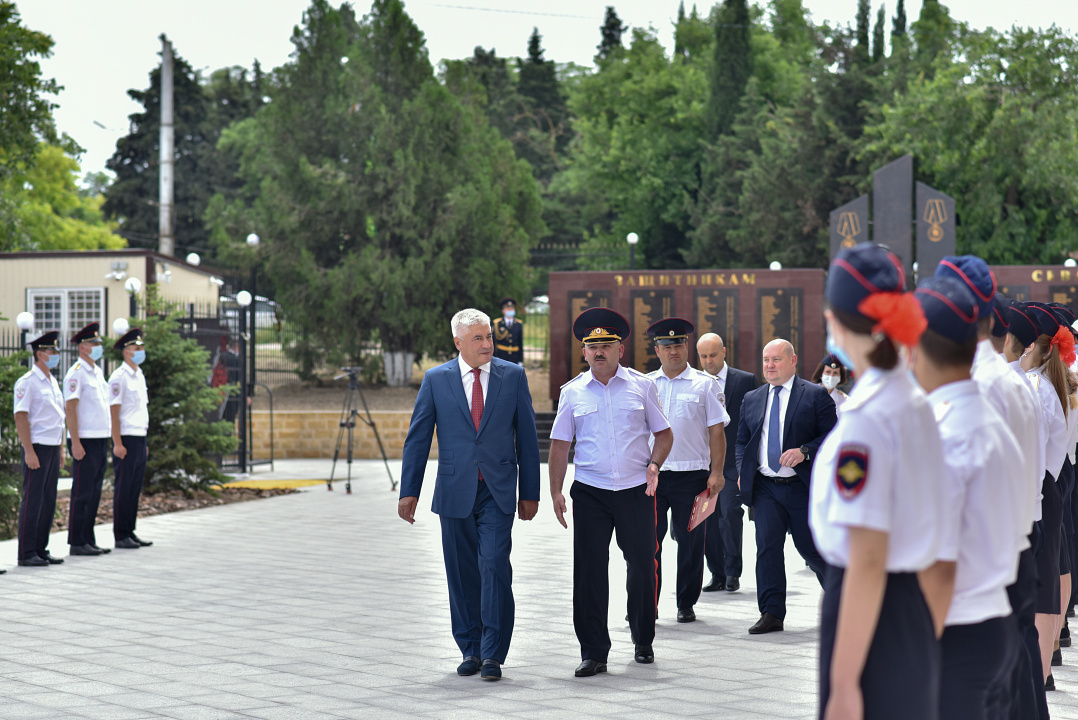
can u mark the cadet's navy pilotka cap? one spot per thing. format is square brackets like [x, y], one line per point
[1064, 313]
[671, 331]
[1000, 305]
[975, 275]
[600, 325]
[1044, 317]
[133, 337]
[830, 361]
[1021, 325]
[949, 307]
[861, 271]
[91, 334]
[45, 341]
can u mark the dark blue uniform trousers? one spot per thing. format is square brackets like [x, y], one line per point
[597, 515]
[778, 509]
[901, 678]
[476, 553]
[676, 493]
[87, 476]
[975, 660]
[130, 472]
[722, 546]
[38, 505]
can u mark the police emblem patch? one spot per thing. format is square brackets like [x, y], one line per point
[73, 384]
[115, 388]
[20, 392]
[851, 470]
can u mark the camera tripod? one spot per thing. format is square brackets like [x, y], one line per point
[349, 414]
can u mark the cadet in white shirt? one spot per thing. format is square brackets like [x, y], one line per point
[88, 431]
[877, 506]
[130, 424]
[980, 640]
[39, 420]
[690, 401]
[612, 411]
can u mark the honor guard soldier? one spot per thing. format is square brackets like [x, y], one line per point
[690, 400]
[613, 412]
[130, 423]
[39, 420]
[88, 430]
[878, 505]
[509, 334]
[984, 464]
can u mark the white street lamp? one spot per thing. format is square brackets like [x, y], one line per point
[632, 239]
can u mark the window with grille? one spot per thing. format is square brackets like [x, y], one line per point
[66, 310]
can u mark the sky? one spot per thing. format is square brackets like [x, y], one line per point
[105, 47]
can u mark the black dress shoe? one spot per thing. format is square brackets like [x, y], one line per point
[644, 654]
[767, 623]
[717, 583]
[104, 551]
[33, 561]
[589, 668]
[140, 541]
[733, 584]
[1057, 658]
[53, 560]
[492, 670]
[128, 544]
[470, 666]
[84, 550]
[686, 615]
[1050, 683]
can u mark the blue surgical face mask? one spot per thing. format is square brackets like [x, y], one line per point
[510, 313]
[96, 352]
[834, 349]
[139, 357]
[52, 362]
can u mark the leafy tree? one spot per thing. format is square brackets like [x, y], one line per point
[877, 36]
[932, 35]
[694, 38]
[612, 30]
[12, 367]
[898, 24]
[862, 52]
[547, 130]
[25, 113]
[733, 64]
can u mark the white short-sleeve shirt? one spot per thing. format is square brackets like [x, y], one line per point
[612, 425]
[691, 404]
[86, 384]
[881, 468]
[38, 395]
[1055, 449]
[127, 388]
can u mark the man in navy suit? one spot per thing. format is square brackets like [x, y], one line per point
[782, 426]
[722, 544]
[482, 410]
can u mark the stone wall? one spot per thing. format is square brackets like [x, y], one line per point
[313, 434]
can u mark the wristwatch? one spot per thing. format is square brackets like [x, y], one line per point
[652, 462]
[804, 451]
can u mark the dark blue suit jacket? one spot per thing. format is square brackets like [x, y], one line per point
[505, 448]
[738, 383]
[810, 415]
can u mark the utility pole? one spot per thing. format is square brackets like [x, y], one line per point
[166, 244]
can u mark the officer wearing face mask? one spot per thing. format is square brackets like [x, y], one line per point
[130, 424]
[509, 334]
[39, 420]
[831, 373]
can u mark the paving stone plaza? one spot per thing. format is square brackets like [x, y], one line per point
[326, 605]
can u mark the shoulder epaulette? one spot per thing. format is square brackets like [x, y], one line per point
[573, 380]
[635, 371]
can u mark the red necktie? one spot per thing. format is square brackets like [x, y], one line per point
[477, 405]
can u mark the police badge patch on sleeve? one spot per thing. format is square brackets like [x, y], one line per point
[73, 384]
[115, 388]
[851, 470]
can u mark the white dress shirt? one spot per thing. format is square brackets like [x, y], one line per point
[765, 438]
[86, 384]
[127, 388]
[691, 404]
[468, 377]
[38, 395]
[1055, 450]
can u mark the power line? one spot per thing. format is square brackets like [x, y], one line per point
[512, 12]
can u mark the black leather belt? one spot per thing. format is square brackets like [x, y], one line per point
[778, 480]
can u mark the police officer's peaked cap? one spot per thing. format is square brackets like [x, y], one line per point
[133, 337]
[46, 340]
[1021, 324]
[973, 272]
[860, 271]
[671, 331]
[1000, 305]
[508, 301]
[1044, 317]
[91, 333]
[830, 361]
[600, 325]
[949, 307]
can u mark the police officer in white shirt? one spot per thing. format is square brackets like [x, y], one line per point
[613, 412]
[130, 424]
[39, 420]
[690, 401]
[88, 431]
[877, 505]
[983, 462]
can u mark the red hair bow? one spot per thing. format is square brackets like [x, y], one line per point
[1064, 340]
[898, 315]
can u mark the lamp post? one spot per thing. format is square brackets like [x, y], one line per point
[252, 242]
[25, 321]
[632, 239]
[243, 298]
[133, 286]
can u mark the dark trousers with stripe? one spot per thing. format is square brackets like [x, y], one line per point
[974, 662]
[130, 472]
[676, 493]
[725, 528]
[780, 506]
[38, 505]
[597, 515]
[901, 678]
[86, 478]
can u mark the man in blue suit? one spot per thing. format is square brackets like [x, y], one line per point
[482, 410]
[782, 426]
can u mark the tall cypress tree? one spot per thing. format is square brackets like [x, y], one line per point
[733, 64]
[898, 25]
[877, 35]
[612, 30]
[546, 111]
[861, 51]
